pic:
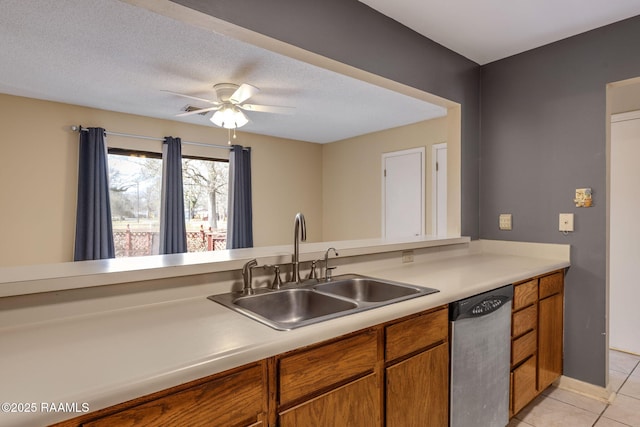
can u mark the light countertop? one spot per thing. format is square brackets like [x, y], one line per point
[110, 357]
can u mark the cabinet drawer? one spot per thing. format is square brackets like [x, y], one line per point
[305, 372]
[551, 284]
[416, 333]
[524, 384]
[525, 294]
[523, 347]
[524, 321]
[221, 402]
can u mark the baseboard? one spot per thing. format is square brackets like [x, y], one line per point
[603, 394]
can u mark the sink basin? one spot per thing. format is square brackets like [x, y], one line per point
[367, 289]
[304, 304]
[291, 308]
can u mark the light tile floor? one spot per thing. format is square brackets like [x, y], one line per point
[562, 408]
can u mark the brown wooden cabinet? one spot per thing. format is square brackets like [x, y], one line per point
[309, 371]
[523, 384]
[234, 398]
[393, 374]
[417, 370]
[536, 337]
[396, 373]
[418, 389]
[550, 327]
[335, 382]
[355, 404]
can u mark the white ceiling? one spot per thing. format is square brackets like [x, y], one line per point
[112, 55]
[487, 30]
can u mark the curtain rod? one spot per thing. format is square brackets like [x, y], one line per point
[129, 135]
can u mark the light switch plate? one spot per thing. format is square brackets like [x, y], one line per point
[566, 222]
[505, 221]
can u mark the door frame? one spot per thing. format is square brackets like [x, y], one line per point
[434, 187]
[422, 152]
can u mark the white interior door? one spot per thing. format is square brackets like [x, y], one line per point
[439, 196]
[403, 193]
[624, 233]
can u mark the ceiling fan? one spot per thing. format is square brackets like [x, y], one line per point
[230, 103]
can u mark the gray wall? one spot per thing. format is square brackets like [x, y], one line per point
[542, 130]
[352, 33]
[544, 135]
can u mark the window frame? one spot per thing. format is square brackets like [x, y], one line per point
[158, 156]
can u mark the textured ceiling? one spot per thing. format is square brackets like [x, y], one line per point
[111, 55]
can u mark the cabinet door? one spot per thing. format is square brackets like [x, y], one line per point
[355, 404]
[418, 389]
[550, 340]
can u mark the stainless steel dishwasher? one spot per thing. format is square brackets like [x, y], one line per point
[480, 359]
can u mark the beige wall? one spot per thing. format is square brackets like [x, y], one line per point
[337, 186]
[38, 175]
[286, 178]
[352, 182]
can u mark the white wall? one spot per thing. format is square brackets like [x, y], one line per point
[624, 252]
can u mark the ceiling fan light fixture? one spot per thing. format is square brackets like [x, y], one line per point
[229, 117]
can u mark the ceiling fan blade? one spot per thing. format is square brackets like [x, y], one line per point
[192, 97]
[200, 111]
[268, 108]
[244, 92]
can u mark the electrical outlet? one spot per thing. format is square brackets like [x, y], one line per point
[566, 222]
[407, 256]
[505, 221]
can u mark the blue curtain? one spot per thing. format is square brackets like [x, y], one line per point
[173, 233]
[240, 218]
[94, 232]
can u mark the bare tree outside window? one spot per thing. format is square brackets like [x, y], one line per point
[205, 191]
[135, 181]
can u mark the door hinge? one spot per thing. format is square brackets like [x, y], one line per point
[437, 167]
[385, 173]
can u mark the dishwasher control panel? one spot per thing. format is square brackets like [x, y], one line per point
[488, 305]
[481, 304]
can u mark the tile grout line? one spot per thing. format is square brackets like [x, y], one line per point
[600, 415]
[617, 392]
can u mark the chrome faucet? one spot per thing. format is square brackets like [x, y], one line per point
[299, 234]
[247, 277]
[327, 269]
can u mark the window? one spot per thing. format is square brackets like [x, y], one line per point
[135, 180]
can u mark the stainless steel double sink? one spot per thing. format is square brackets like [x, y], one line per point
[315, 301]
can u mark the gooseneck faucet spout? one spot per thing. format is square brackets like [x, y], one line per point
[299, 234]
